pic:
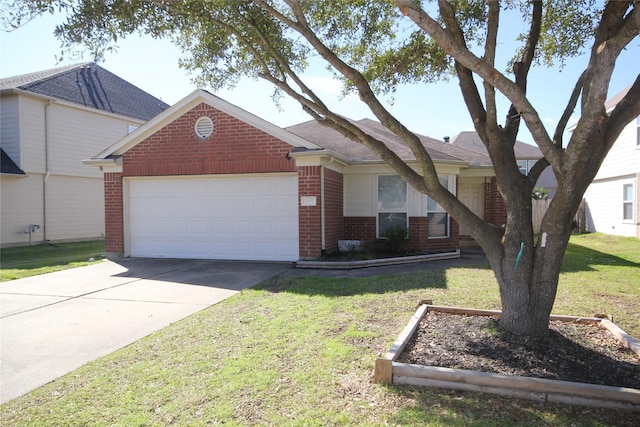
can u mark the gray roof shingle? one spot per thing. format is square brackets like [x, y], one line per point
[8, 166]
[332, 140]
[471, 141]
[90, 85]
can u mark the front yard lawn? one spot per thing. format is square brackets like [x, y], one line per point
[300, 351]
[24, 261]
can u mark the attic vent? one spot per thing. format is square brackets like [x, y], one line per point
[204, 127]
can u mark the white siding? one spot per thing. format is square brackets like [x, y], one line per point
[20, 205]
[74, 191]
[75, 208]
[360, 195]
[624, 156]
[32, 135]
[10, 127]
[76, 134]
[603, 204]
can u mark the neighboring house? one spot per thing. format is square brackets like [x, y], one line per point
[49, 122]
[526, 156]
[206, 179]
[613, 198]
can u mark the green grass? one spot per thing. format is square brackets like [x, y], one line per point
[24, 261]
[300, 352]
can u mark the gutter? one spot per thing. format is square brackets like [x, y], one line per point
[47, 173]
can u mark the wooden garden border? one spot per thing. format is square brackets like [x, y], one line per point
[388, 371]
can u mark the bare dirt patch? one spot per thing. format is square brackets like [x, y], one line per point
[571, 352]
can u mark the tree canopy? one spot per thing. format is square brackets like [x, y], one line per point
[374, 46]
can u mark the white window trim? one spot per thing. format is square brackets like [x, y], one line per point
[628, 202]
[450, 187]
[378, 211]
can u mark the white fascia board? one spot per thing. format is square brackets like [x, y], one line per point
[105, 165]
[317, 158]
[186, 104]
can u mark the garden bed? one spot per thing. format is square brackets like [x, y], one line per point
[585, 361]
[346, 264]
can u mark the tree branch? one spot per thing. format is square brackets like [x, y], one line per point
[521, 68]
[460, 53]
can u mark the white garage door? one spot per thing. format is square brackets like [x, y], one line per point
[251, 217]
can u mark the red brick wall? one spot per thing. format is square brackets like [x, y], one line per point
[234, 147]
[450, 243]
[114, 233]
[360, 228]
[333, 210]
[494, 210]
[418, 233]
[364, 228]
[309, 216]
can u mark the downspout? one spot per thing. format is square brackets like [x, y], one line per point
[46, 168]
[322, 206]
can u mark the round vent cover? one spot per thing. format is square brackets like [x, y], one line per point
[204, 127]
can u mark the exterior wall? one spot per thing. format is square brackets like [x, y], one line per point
[603, 198]
[75, 208]
[360, 228]
[334, 208]
[364, 228]
[20, 206]
[114, 223]
[49, 141]
[234, 147]
[77, 134]
[446, 244]
[360, 210]
[10, 127]
[624, 157]
[309, 216]
[603, 205]
[494, 209]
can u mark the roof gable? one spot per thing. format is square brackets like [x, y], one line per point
[89, 85]
[187, 104]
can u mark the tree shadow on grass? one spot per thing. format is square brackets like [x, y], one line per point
[580, 258]
[341, 286]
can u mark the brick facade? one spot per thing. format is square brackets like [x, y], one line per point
[334, 210]
[114, 225]
[494, 209]
[310, 234]
[234, 147]
[364, 228]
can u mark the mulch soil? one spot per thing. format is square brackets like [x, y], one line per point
[571, 352]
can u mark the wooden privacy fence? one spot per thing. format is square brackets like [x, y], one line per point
[539, 208]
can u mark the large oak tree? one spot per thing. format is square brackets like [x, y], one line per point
[373, 46]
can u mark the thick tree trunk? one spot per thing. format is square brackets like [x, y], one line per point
[528, 274]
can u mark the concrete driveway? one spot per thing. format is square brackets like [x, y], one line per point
[54, 323]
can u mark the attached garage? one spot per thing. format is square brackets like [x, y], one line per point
[232, 217]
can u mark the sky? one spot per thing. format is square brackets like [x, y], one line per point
[435, 110]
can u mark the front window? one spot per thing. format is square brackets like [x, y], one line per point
[438, 218]
[392, 203]
[627, 202]
[638, 132]
[522, 165]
